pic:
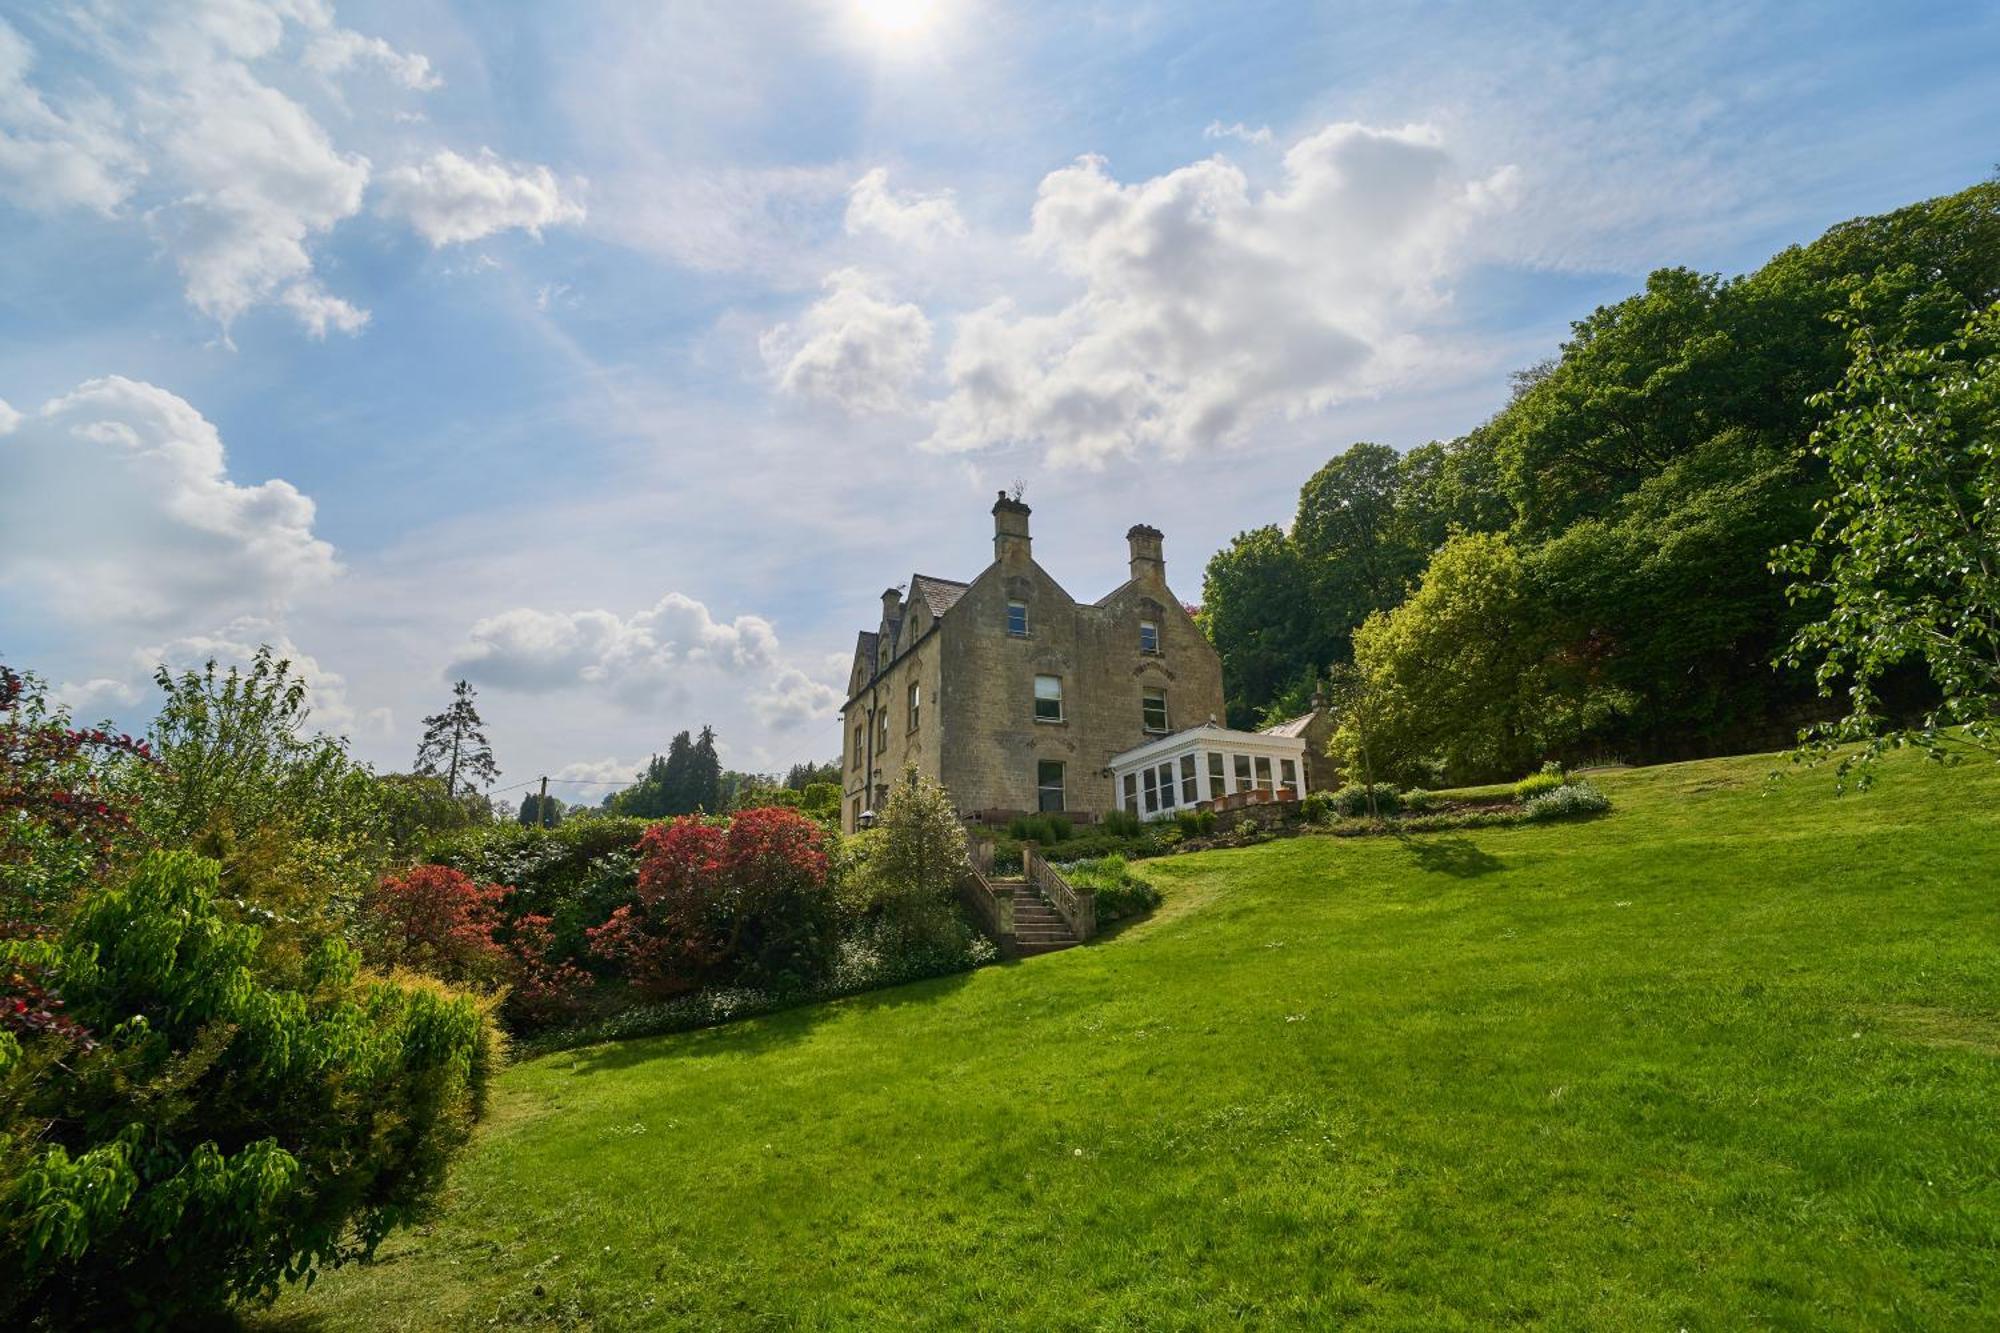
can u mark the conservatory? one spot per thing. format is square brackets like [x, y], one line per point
[1208, 768]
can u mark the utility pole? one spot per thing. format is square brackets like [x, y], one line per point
[542, 809]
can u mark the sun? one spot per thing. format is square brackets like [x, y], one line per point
[897, 18]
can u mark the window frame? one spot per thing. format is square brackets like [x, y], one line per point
[1241, 768]
[1288, 773]
[1147, 696]
[1166, 774]
[1016, 604]
[1152, 784]
[1190, 780]
[1149, 629]
[1131, 793]
[1042, 787]
[916, 704]
[1218, 775]
[1266, 780]
[1056, 699]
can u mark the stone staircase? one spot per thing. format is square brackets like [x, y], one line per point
[1038, 927]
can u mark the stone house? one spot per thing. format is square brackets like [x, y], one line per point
[1016, 696]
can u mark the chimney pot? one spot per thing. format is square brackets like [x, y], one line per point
[1149, 565]
[1011, 543]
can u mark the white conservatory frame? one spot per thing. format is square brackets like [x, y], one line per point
[1181, 771]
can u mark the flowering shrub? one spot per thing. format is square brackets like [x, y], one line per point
[439, 920]
[1577, 798]
[748, 902]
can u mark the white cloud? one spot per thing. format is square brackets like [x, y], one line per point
[337, 51]
[852, 349]
[1208, 306]
[119, 507]
[921, 221]
[450, 199]
[91, 699]
[50, 159]
[599, 773]
[1217, 130]
[635, 658]
[197, 118]
[794, 700]
[236, 644]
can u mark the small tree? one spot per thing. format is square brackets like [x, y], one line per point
[1359, 705]
[454, 746]
[912, 863]
[1906, 557]
[538, 811]
[66, 805]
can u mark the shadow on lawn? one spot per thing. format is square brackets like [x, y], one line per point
[1460, 858]
[751, 1034]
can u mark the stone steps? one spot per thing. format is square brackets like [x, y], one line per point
[1038, 927]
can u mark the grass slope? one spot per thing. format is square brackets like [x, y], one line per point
[1718, 1059]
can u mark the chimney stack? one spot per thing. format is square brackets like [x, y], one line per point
[1010, 531]
[892, 605]
[1148, 565]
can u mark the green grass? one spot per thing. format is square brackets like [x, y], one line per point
[1717, 1060]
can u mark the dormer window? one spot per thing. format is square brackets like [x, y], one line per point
[1149, 638]
[1017, 619]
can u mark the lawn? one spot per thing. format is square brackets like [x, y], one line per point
[1716, 1060]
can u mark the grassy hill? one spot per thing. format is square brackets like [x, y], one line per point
[1719, 1059]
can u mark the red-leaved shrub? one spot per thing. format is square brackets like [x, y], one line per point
[441, 921]
[546, 987]
[747, 902]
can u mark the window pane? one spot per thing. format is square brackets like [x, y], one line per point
[1149, 637]
[1218, 785]
[1154, 710]
[1152, 791]
[1242, 772]
[915, 700]
[1291, 770]
[1017, 617]
[1166, 786]
[1190, 792]
[1264, 772]
[1048, 698]
[1049, 783]
[1131, 794]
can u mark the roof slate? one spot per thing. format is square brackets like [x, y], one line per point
[940, 595]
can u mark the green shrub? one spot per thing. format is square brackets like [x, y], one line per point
[1121, 824]
[900, 893]
[1417, 801]
[1567, 800]
[1537, 784]
[216, 1136]
[1319, 807]
[1196, 823]
[1047, 830]
[1119, 892]
[1352, 800]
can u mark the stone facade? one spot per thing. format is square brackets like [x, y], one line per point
[972, 653]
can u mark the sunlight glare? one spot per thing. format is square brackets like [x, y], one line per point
[897, 18]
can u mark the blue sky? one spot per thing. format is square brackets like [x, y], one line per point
[617, 356]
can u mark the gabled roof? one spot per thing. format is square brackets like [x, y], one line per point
[1295, 727]
[939, 595]
[865, 646]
